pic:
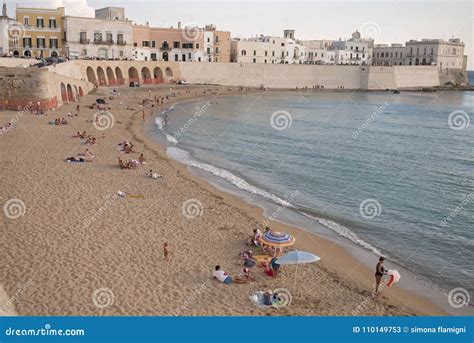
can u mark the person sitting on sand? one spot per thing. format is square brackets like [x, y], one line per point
[153, 175]
[63, 121]
[87, 153]
[380, 271]
[221, 275]
[255, 238]
[141, 159]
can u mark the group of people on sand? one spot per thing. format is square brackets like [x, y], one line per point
[58, 121]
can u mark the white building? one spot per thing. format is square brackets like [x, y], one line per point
[352, 51]
[268, 49]
[444, 54]
[5, 31]
[316, 52]
[97, 37]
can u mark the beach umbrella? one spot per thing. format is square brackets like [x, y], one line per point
[297, 257]
[277, 239]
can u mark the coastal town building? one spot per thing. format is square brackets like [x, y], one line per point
[181, 44]
[446, 55]
[268, 49]
[6, 31]
[43, 32]
[352, 51]
[316, 52]
[107, 36]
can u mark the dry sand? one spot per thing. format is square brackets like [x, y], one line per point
[79, 249]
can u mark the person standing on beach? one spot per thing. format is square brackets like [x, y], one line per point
[166, 252]
[379, 272]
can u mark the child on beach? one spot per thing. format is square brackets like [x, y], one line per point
[166, 251]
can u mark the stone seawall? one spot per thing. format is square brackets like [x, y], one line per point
[291, 75]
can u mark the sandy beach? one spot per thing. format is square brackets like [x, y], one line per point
[77, 248]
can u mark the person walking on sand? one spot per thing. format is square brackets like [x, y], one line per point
[166, 252]
[379, 272]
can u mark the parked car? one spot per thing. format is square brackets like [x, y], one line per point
[183, 82]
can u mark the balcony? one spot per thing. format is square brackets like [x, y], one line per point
[98, 41]
[108, 42]
[165, 48]
[121, 42]
[84, 41]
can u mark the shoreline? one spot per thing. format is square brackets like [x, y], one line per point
[255, 211]
[68, 261]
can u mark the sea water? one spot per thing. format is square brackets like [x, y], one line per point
[390, 173]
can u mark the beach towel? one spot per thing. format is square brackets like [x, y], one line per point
[393, 277]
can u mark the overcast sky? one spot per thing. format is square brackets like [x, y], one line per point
[387, 21]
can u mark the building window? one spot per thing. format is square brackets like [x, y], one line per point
[53, 43]
[40, 22]
[208, 50]
[208, 40]
[40, 43]
[176, 57]
[217, 50]
[176, 45]
[120, 38]
[217, 39]
[52, 23]
[145, 44]
[84, 52]
[27, 42]
[197, 45]
[254, 60]
[121, 53]
[153, 44]
[26, 21]
[255, 52]
[135, 45]
[282, 44]
[265, 61]
[266, 53]
[97, 37]
[424, 51]
[273, 53]
[109, 38]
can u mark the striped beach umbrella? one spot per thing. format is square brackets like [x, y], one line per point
[277, 239]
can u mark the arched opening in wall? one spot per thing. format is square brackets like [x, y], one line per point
[146, 75]
[423, 61]
[158, 75]
[76, 93]
[70, 94]
[63, 93]
[27, 53]
[16, 53]
[81, 92]
[133, 75]
[91, 75]
[111, 76]
[54, 54]
[119, 76]
[169, 73]
[417, 61]
[101, 76]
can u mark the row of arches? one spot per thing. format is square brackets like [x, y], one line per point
[70, 93]
[111, 77]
